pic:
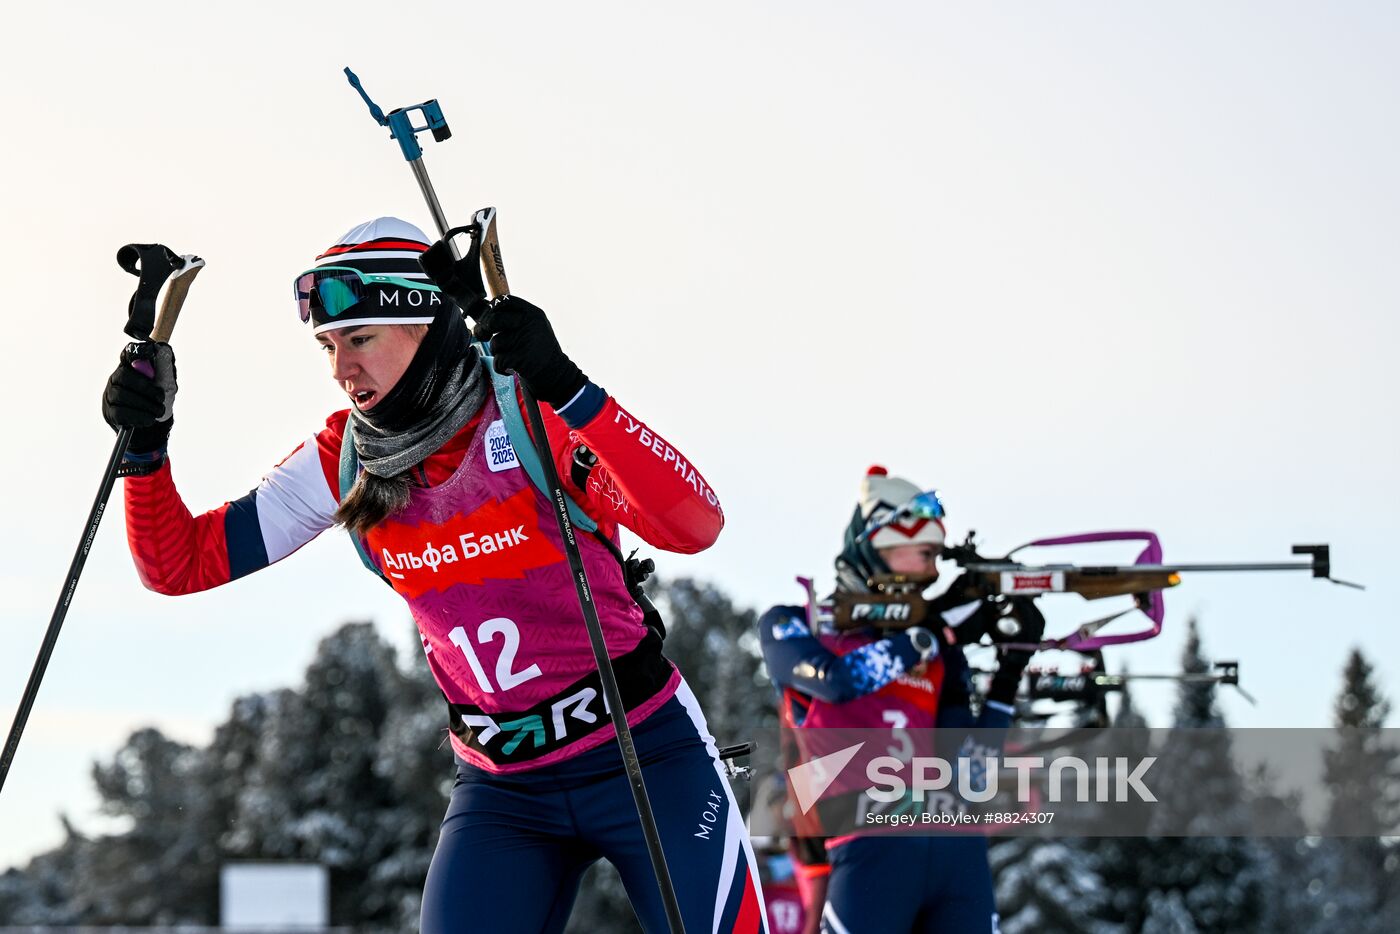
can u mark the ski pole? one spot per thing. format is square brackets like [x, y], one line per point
[401, 128]
[154, 264]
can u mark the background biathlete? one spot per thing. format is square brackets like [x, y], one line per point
[905, 680]
[442, 506]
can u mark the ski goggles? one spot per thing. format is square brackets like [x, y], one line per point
[926, 506]
[336, 289]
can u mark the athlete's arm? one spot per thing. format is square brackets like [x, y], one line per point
[640, 480]
[797, 659]
[177, 552]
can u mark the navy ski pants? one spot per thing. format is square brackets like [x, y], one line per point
[513, 848]
[939, 884]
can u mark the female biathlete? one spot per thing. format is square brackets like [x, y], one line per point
[421, 469]
[905, 682]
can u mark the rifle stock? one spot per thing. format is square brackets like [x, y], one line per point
[880, 610]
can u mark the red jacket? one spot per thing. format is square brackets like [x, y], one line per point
[641, 482]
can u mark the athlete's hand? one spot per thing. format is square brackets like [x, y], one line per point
[963, 589]
[523, 341]
[140, 394]
[1028, 615]
[459, 278]
[1013, 661]
[954, 612]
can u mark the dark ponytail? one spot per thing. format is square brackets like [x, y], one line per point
[372, 500]
[444, 358]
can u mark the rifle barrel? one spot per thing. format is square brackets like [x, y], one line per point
[1248, 566]
[993, 567]
[1201, 677]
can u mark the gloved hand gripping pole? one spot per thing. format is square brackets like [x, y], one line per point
[155, 265]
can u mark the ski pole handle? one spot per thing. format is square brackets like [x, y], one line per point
[175, 294]
[493, 267]
[177, 289]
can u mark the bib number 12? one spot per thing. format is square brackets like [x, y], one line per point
[506, 677]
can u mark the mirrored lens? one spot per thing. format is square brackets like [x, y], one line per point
[333, 290]
[924, 506]
[337, 293]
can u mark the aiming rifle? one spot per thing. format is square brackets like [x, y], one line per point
[896, 601]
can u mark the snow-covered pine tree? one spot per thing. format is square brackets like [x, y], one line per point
[160, 870]
[1057, 885]
[1187, 884]
[715, 645]
[314, 791]
[1222, 880]
[1049, 887]
[1364, 771]
[42, 892]
[1127, 717]
[1167, 914]
[1360, 875]
[1124, 863]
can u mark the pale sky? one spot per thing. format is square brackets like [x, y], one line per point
[1080, 266]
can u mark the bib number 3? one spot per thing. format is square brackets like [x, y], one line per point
[506, 676]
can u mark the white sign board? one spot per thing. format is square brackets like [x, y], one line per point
[268, 895]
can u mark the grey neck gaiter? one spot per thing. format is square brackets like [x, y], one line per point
[461, 389]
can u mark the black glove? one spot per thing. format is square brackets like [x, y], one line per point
[1025, 612]
[966, 588]
[459, 279]
[141, 394]
[1013, 661]
[522, 341]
